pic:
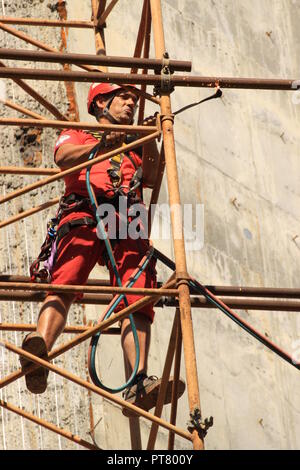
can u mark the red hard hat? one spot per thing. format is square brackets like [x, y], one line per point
[101, 89]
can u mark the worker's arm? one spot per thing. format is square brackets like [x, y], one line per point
[69, 155]
[150, 158]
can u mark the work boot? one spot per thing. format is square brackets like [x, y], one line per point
[36, 381]
[144, 393]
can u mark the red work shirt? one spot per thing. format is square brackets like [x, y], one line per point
[99, 178]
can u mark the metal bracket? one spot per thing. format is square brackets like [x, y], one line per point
[165, 78]
[167, 117]
[197, 424]
[182, 278]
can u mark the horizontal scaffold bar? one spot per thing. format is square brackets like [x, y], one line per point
[139, 79]
[144, 130]
[25, 170]
[46, 424]
[86, 289]
[233, 291]
[62, 174]
[68, 329]
[196, 302]
[44, 22]
[92, 59]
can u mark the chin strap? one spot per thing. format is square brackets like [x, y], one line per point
[106, 113]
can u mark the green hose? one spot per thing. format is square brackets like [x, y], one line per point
[96, 338]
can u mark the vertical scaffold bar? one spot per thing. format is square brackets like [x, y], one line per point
[164, 383]
[98, 6]
[146, 55]
[174, 399]
[177, 231]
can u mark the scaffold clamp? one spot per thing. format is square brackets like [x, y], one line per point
[165, 74]
[196, 423]
[182, 278]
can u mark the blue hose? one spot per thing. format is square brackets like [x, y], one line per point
[95, 338]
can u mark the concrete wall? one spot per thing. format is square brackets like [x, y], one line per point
[239, 158]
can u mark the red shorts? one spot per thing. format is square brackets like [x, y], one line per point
[80, 250]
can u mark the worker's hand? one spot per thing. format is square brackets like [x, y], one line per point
[150, 120]
[114, 139]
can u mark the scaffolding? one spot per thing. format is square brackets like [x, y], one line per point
[176, 292]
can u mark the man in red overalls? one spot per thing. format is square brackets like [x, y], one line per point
[79, 249]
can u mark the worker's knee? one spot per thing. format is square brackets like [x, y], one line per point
[141, 321]
[60, 302]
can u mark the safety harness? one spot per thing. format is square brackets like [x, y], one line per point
[75, 203]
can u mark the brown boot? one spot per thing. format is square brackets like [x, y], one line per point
[144, 393]
[36, 381]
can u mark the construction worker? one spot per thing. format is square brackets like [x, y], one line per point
[79, 248]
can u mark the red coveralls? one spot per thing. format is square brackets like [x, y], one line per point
[80, 249]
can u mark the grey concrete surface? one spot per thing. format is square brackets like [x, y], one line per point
[239, 158]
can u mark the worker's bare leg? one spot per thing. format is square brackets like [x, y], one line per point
[51, 322]
[53, 317]
[144, 390]
[143, 327]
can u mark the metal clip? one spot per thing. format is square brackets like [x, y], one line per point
[182, 278]
[165, 75]
[197, 424]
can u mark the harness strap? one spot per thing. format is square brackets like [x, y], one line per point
[68, 226]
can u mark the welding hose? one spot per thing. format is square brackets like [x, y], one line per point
[95, 339]
[230, 313]
[110, 309]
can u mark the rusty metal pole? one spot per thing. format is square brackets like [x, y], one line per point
[108, 10]
[87, 289]
[68, 329]
[21, 109]
[147, 38]
[98, 6]
[164, 383]
[34, 42]
[44, 22]
[97, 390]
[60, 175]
[51, 427]
[174, 399]
[25, 170]
[29, 212]
[179, 248]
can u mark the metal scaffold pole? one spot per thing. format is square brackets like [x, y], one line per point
[177, 229]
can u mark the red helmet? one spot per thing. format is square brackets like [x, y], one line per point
[101, 89]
